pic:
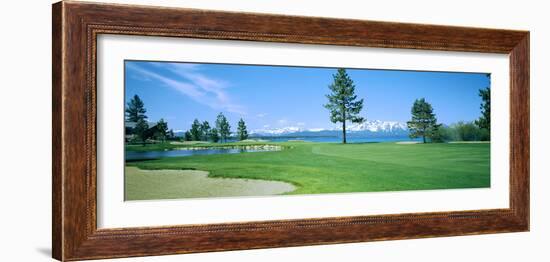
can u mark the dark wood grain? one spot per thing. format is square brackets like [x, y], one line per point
[519, 129]
[76, 26]
[57, 190]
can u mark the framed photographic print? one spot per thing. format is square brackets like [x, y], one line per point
[182, 130]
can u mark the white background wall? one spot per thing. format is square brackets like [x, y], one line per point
[25, 145]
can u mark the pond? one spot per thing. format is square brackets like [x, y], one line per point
[194, 151]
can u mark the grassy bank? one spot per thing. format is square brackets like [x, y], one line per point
[336, 168]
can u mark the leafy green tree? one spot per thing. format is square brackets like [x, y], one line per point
[140, 130]
[242, 133]
[205, 130]
[342, 101]
[223, 127]
[437, 134]
[468, 131]
[484, 122]
[463, 131]
[187, 136]
[161, 131]
[196, 134]
[214, 135]
[135, 110]
[445, 133]
[423, 123]
[171, 134]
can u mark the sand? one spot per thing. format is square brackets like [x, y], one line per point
[172, 184]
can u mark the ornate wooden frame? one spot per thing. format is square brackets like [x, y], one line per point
[76, 26]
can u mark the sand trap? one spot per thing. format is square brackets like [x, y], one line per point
[170, 184]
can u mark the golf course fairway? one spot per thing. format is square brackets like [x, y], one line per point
[314, 168]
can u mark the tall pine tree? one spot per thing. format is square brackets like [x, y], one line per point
[242, 133]
[196, 134]
[187, 136]
[423, 123]
[223, 127]
[171, 134]
[135, 110]
[205, 130]
[214, 135]
[161, 131]
[141, 130]
[342, 101]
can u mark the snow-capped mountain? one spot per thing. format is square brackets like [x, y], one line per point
[375, 126]
[277, 131]
[378, 126]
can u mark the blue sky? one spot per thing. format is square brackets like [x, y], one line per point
[270, 97]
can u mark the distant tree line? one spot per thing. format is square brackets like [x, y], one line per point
[464, 131]
[424, 123]
[141, 131]
[221, 132]
[200, 131]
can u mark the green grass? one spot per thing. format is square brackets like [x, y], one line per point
[336, 168]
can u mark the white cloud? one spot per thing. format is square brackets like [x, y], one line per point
[300, 124]
[261, 115]
[192, 83]
[282, 121]
[185, 66]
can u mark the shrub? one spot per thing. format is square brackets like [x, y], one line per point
[463, 131]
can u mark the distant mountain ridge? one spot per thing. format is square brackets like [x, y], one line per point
[373, 128]
[379, 126]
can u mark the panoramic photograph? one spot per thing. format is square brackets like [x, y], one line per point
[205, 130]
